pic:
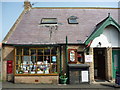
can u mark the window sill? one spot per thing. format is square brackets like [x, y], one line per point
[36, 74]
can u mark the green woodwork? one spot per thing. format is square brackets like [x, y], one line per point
[67, 59]
[115, 62]
[100, 27]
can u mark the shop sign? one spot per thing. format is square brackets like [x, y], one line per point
[72, 55]
[88, 58]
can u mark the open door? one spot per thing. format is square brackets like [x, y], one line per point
[99, 63]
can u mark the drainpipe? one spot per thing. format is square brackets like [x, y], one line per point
[60, 61]
[66, 50]
[66, 57]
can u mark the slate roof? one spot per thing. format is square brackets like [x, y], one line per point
[29, 30]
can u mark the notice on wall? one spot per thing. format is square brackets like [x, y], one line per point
[88, 58]
[84, 75]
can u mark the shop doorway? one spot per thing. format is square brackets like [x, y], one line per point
[99, 63]
[115, 62]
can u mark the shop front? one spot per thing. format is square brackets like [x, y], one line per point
[37, 50]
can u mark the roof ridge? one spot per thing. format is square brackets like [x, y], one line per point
[75, 8]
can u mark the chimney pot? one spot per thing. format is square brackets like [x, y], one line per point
[27, 5]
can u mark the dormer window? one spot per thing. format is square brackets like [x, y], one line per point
[72, 20]
[49, 21]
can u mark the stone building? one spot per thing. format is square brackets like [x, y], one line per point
[47, 42]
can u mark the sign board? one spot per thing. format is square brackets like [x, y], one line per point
[84, 75]
[88, 58]
[72, 55]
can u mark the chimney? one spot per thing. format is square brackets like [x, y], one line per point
[27, 5]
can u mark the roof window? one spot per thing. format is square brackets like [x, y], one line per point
[72, 20]
[49, 21]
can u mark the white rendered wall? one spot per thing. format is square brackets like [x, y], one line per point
[109, 38]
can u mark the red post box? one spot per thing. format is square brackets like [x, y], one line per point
[9, 67]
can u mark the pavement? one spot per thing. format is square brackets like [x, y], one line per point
[96, 86]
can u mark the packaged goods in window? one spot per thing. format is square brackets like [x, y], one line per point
[33, 59]
[47, 71]
[53, 59]
[54, 68]
[45, 62]
[39, 63]
[39, 71]
[26, 71]
[36, 60]
[26, 59]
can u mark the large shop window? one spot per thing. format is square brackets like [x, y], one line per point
[36, 60]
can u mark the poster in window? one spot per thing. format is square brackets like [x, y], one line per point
[54, 59]
[84, 75]
[88, 58]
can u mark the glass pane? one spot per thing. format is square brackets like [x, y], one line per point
[40, 58]
[47, 59]
[26, 69]
[116, 61]
[54, 51]
[47, 69]
[40, 69]
[43, 68]
[40, 51]
[73, 21]
[80, 57]
[53, 68]
[49, 21]
[19, 60]
[19, 51]
[19, 69]
[33, 52]
[32, 69]
[26, 60]
[47, 52]
[26, 51]
[33, 60]
[54, 59]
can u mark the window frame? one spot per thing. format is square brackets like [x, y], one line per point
[29, 74]
[44, 22]
[82, 56]
[75, 54]
[72, 18]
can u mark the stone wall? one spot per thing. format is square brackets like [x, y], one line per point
[108, 64]
[37, 79]
[7, 54]
[91, 69]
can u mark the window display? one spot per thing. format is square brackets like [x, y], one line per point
[36, 60]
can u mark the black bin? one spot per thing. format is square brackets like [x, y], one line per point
[117, 80]
[75, 73]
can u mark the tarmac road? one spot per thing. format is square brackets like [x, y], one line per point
[12, 86]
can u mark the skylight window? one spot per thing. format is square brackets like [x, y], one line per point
[72, 20]
[49, 21]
